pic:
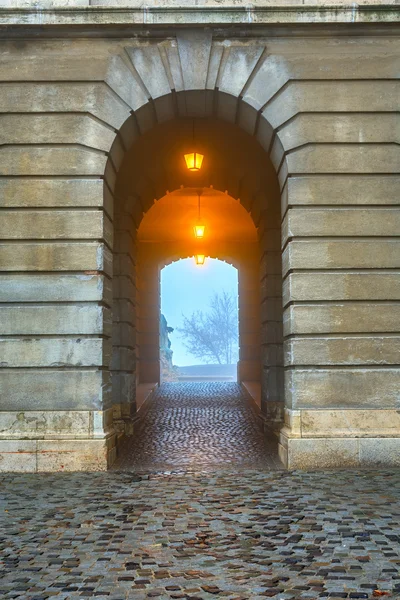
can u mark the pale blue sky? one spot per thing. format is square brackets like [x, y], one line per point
[185, 288]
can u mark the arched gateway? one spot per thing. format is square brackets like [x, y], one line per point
[305, 136]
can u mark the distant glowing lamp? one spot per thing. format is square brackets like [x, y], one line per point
[200, 259]
[199, 231]
[199, 228]
[194, 160]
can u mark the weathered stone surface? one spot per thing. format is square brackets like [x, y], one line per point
[55, 224]
[337, 128]
[61, 256]
[334, 222]
[54, 352]
[94, 98]
[372, 387]
[56, 129]
[343, 189]
[31, 193]
[34, 287]
[332, 96]
[322, 454]
[349, 423]
[342, 285]
[343, 350]
[45, 424]
[56, 160]
[378, 452]
[76, 455]
[80, 318]
[39, 389]
[47, 455]
[17, 456]
[357, 317]
[351, 253]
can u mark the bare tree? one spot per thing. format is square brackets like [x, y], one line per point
[213, 336]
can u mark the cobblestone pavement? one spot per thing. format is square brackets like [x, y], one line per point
[195, 426]
[221, 531]
[226, 535]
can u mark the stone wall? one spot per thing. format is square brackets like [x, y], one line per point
[324, 108]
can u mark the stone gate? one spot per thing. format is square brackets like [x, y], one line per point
[306, 102]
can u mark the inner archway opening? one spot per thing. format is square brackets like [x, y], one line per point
[199, 321]
[156, 209]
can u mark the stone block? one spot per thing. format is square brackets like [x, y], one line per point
[272, 354]
[345, 254]
[344, 158]
[80, 318]
[373, 387]
[147, 59]
[39, 389]
[91, 97]
[34, 287]
[380, 452]
[309, 454]
[337, 128]
[123, 359]
[344, 350]
[55, 129]
[348, 318]
[350, 285]
[44, 424]
[350, 423]
[338, 221]
[271, 310]
[343, 189]
[55, 224]
[17, 456]
[123, 334]
[41, 193]
[332, 96]
[54, 352]
[55, 160]
[61, 256]
[72, 455]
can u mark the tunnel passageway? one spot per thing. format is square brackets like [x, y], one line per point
[199, 426]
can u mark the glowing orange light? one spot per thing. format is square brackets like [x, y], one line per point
[194, 160]
[199, 231]
[200, 259]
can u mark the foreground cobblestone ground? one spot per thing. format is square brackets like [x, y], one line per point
[199, 426]
[228, 535]
[222, 531]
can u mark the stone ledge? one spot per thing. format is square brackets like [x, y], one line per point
[182, 13]
[336, 453]
[56, 424]
[342, 423]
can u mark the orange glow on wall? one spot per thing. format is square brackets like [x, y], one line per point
[200, 259]
[194, 160]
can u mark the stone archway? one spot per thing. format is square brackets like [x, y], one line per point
[237, 165]
[318, 104]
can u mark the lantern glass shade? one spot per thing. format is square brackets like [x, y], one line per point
[200, 259]
[199, 231]
[194, 160]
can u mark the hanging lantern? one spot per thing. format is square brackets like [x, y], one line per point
[194, 160]
[199, 228]
[200, 259]
[199, 231]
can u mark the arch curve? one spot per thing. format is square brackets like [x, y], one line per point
[143, 164]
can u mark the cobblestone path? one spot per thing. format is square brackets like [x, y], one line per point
[192, 426]
[221, 529]
[241, 535]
